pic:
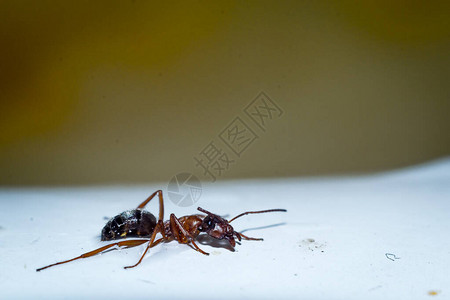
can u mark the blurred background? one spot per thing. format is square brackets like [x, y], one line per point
[111, 92]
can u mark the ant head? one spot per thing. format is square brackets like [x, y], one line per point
[217, 227]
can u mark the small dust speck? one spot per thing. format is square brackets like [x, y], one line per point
[434, 293]
[295, 274]
[311, 244]
[391, 256]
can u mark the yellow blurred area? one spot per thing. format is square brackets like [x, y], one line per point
[408, 23]
[49, 47]
[130, 91]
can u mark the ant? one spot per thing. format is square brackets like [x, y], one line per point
[143, 224]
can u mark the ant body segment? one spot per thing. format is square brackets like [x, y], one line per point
[184, 230]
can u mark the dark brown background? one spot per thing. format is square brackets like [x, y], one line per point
[130, 92]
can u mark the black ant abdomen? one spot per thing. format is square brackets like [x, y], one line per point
[130, 223]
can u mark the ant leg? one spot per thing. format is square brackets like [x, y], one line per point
[163, 233]
[126, 244]
[161, 203]
[184, 237]
[250, 238]
[152, 242]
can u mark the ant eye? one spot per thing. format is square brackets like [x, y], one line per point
[208, 223]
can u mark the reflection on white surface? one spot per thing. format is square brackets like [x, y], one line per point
[380, 236]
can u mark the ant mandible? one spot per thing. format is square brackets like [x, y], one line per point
[141, 223]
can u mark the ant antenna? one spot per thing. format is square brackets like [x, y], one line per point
[243, 214]
[205, 211]
[255, 212]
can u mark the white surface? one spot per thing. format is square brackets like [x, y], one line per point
[354, 222]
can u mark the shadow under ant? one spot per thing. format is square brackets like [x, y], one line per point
[264, 227]
[207, 240]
